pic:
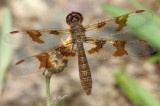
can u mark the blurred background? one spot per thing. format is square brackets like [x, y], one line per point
[116, 82]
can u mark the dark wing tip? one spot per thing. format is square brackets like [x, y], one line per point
[142, 41]
[13, 32]
[19, 62]
[140, 11]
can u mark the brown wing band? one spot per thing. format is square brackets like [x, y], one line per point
[43, 58]
[121, 22]
[35, 35]
[99, 44]
[120, 48]
[66, 51]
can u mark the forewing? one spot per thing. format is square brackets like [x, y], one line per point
[118, 25]
[43, 39]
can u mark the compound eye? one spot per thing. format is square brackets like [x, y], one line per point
[74, 17]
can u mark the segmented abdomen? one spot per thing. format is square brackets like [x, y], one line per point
[84, 70]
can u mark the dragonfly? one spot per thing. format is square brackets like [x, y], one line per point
[58, 46]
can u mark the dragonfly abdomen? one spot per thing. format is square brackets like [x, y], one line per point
[84, 70]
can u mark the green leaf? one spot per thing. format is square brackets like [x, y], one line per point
[6, 50]
[149, 31]
[113, 10]
[60, 103]
[135, 91]
[154, 59]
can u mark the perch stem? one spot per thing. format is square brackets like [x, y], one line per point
[48, 78]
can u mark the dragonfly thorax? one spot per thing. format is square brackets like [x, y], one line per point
[78, 33]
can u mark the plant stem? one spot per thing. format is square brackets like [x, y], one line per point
[48, 78]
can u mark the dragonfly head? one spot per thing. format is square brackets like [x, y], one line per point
[74, 18]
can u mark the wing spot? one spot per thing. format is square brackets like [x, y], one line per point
[120, 48]
[140, 11]
[101, 24]
[13, 32]
[35, 35]
[121, 22]
[43, 60]
[54, 32]
[99, 44]
[142, 41]
[21, 61]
